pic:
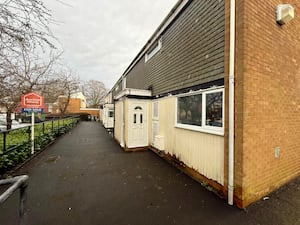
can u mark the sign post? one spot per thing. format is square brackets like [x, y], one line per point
[32, 102]
[32, 133]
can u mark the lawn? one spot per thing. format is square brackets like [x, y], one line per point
[15, 145]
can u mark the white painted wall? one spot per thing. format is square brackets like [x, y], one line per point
[118, 129]
[107, 117]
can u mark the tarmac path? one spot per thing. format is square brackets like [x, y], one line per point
[85, 178]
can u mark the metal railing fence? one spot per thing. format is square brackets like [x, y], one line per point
[19, 182]
[15, 144]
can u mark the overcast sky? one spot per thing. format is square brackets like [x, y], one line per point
[101, 37]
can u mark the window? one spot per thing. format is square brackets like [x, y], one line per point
[190, 110]
[155, 110]
[111, 114]
[155, 130]
[214, 109]
[138, 108]
[141, 118]
[154, 50]
[202, 111]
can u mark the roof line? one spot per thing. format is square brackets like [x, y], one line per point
[161, 28]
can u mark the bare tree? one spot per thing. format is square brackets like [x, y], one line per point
[94, 92]
[23, 72]
[67, 84]
[24, 27]
[24, 21]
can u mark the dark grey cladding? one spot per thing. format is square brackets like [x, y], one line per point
[192, 51]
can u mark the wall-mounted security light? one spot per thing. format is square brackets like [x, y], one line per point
[284, 13]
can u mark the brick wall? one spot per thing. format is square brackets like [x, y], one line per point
[74, 105]
[267, 99]
[93, 112]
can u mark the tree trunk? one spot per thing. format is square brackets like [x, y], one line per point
[8, 119]
[65, 106]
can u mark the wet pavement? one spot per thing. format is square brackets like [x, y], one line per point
[85, 178]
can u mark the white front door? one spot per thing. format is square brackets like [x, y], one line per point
[138, 124]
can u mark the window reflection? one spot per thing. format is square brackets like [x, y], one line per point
[214, 109]
[190, 110]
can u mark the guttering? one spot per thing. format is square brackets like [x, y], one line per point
[231, 104]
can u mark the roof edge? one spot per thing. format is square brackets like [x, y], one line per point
[175, 11]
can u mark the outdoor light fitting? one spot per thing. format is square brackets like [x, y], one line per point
[284, 13]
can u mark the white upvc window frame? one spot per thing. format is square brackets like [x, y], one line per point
[150, 54]
[203, 128]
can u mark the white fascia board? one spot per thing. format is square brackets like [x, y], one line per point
[131, 91]
[108, 105]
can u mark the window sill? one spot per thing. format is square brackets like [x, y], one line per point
[208, 130]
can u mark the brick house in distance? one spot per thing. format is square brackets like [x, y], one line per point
[216, 90]
[77, 104]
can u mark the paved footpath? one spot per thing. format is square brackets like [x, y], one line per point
[85, 178]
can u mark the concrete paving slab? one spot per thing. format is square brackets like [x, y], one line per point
[85, 178]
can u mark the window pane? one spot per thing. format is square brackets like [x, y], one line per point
[190, 110]
[111, 114]
[141, 118]
[155, 109]
[134, 118]
[214, 108]
[138, 108]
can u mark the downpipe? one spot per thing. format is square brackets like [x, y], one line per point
[231, 104]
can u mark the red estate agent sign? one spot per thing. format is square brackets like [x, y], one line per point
[32, 101]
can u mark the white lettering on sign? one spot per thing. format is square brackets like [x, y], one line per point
[32, 101]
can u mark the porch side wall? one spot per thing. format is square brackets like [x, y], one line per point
[126, 120]
[269, 61]
[118, 121]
